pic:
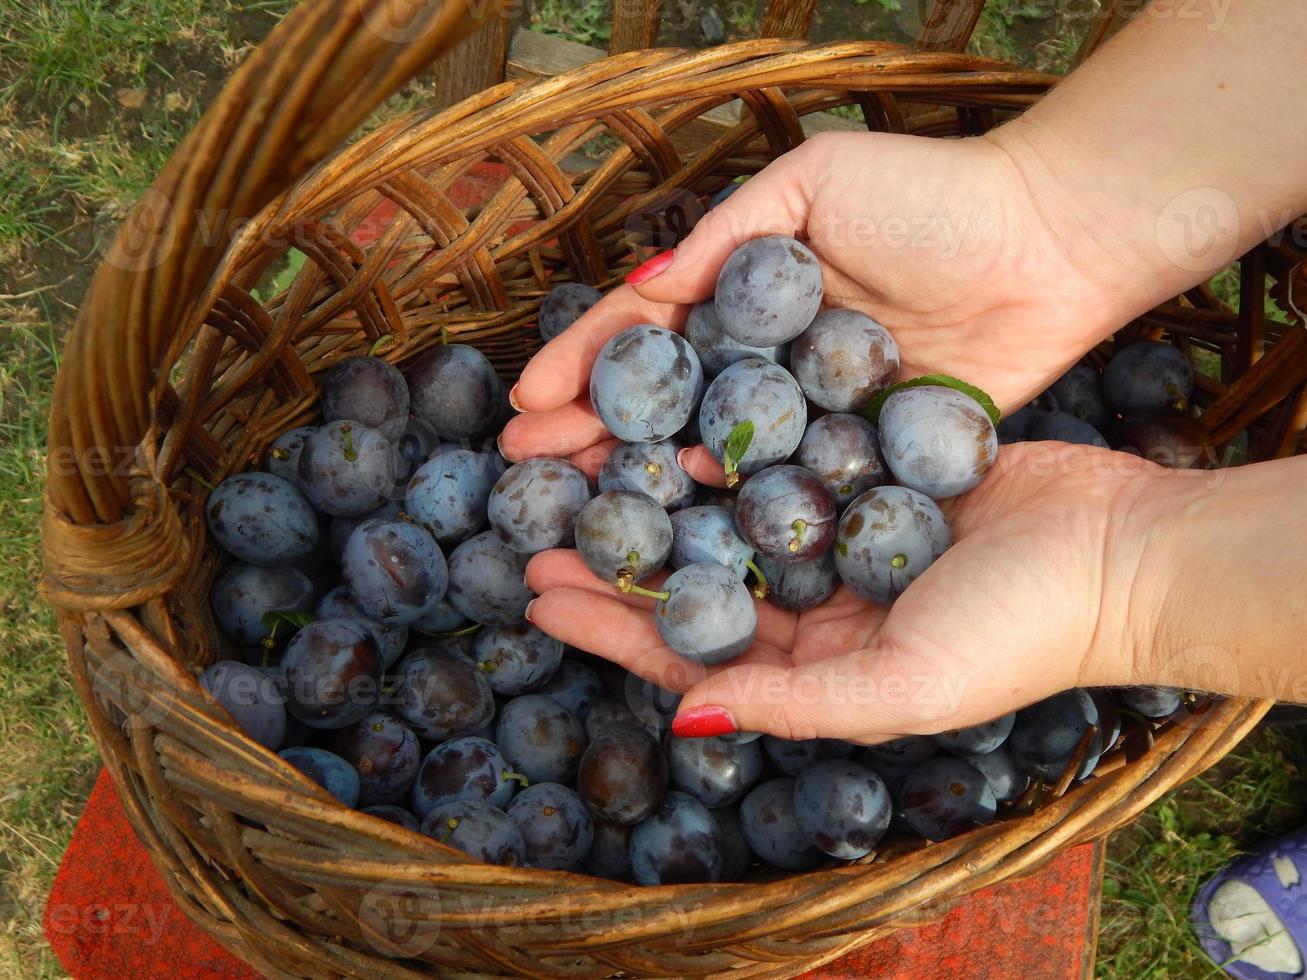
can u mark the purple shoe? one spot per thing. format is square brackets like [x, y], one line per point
[1251, 917]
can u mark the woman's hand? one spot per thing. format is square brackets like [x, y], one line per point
[943, 241]
[1035, 597]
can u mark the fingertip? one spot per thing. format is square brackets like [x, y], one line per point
[590, 461]
[700, 464]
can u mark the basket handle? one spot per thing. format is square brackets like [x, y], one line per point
[295, 99]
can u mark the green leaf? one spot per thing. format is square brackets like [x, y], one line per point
[737, 444]
[297, 619]
[872, 411]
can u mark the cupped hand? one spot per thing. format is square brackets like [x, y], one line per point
[1034, 597]
[951, 244]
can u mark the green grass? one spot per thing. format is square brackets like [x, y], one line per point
[57, 51]
[47, 762]
[1155, 865]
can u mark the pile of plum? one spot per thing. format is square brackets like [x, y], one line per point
[376, 592]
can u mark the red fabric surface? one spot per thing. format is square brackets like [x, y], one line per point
[109, 916]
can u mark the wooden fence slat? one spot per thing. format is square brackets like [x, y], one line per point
[949, 25]
[476, 64]
[788, 18]
[635, 25]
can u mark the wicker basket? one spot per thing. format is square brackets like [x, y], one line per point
[176, 360]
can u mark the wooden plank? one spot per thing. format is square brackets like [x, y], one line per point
[476, 64]
[635, 25]
[788, 18]
[1111, 17]
[949, 25]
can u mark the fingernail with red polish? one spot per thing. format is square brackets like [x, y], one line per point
[654, 267]
[526, 613]
[512, 399]
[705, 720]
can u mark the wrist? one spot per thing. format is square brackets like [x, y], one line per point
[1107, 232]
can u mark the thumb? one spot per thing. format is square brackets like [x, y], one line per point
[869, 696]
[774, 202]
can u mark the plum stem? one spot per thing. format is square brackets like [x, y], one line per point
[517, 777]
[487, 667]
[899, 561]
[653, 469]
[799, 526]
[762, 589]
[381, 343]
[632, 589]
[351, 453]
[279, 454]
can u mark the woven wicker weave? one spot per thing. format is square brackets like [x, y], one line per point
[175, 359]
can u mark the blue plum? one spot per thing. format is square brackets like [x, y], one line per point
[575, 686]
[650, 468]
[449, 492]
[284, 453]
[736, 856]
[564, 305]
[262, 520]
[555, 824]
[367, 390]
[440, 692]
[610, 853]
[1061, 427]
[772, 827]
[757, 391]
[843, 360]
[803, 585]
[679, 843]
[243, 594]
[623, 536]
[1148, 375]
[768, 291]
[394, 570]
[533, 506]
[486, 581]
[516, 659]
[645, 384]
[339, 604]
[708, 533]
[385, 753]
[464, 768]
[1002, 769]
[843, 808]
[786, 514]
[1151, 702]
[886, 538]
[347, 468]
[1079, 393]
[342, 527]
[795, 757]
[977, 739]
[717, 349]
[333, 673]
[252, 697]
[706, 613]
[936, 440]
[622, 776]
[540, 738]
[944, 797]
[715, 771]
[328, 770]
[1046, 734]
[844, 451]
[479, 830]
[439, 618]
[455, 391]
